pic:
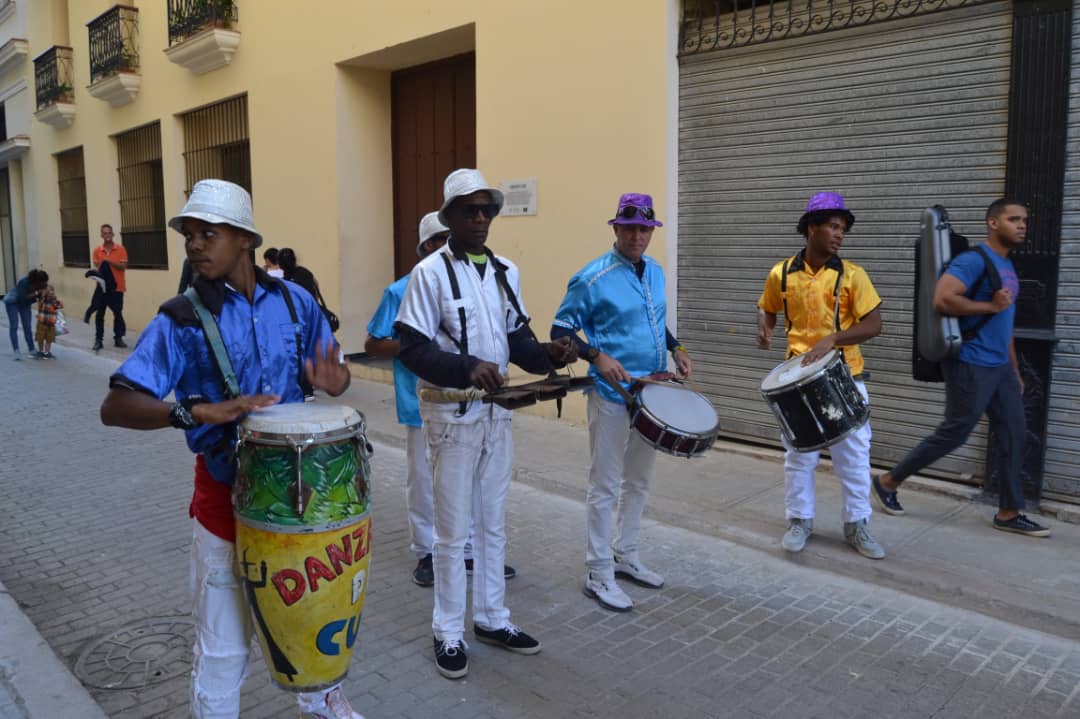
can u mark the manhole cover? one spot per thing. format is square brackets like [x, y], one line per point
[136, 655]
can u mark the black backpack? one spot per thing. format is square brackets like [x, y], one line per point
[927, 370]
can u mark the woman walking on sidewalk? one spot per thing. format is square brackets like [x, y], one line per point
[18, 302]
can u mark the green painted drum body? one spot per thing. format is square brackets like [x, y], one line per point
[303, 537]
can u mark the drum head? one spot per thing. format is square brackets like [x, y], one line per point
[302, 418]
[680, 408]
[792, 372]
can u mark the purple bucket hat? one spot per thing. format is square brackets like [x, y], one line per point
[826, 202]
[635, 209]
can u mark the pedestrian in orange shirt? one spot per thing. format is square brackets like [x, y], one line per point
[111, 260]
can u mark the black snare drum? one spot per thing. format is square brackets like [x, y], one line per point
[817, 405]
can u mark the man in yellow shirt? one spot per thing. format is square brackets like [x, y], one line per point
[830, 304]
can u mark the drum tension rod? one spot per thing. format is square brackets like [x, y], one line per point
[300, 447]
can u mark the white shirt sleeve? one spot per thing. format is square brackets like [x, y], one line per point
[420, 307]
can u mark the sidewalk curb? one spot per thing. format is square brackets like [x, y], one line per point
[35, 678]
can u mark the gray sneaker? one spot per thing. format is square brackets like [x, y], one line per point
[858, 536]
[798, 531]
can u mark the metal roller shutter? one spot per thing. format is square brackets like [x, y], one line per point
[1063, 428]
[896, 116]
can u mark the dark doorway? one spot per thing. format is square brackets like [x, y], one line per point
[433, 110]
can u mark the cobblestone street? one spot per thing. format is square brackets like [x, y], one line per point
[95, 537]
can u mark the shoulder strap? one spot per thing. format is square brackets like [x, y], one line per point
[783, 295]
[301, 376]
[217, 345]
[463, 344]
[500, 277]
[990, 272]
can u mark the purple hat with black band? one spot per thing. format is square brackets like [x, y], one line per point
[635, 209]
[830, 202]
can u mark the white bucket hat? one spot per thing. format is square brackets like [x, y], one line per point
[219, 203]
[429, 227]
[463, 182]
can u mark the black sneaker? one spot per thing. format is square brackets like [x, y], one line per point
[450, 658]
[508, 571]
[119, 342]
[1021, 525]
[509, 637]
[424, 574]
[886, 499]
[98, 345]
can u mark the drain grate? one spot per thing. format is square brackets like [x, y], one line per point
[133, 656]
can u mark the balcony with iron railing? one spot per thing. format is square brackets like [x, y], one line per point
[202, 35]
[54, 86]
[114, 55]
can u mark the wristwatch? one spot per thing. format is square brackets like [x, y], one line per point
[591, 354]
[180, 414]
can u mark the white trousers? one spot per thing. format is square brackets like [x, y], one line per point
[619, 475]
[851, 465]
[223, 631]
[419, 497]
[471, 465]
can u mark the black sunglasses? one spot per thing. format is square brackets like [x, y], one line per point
[469, 211]
[630, 212]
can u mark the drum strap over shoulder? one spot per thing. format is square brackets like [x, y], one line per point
[217, 345]
[455, 292]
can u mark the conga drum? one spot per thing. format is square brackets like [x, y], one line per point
[816, 405]
[303, 537]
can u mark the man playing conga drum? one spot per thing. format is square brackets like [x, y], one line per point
[256, 315]
[618, 300]
[460, 324]
[828, 303]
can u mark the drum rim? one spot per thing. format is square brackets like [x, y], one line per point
[273, 528]
[297, 439]
[799, 382]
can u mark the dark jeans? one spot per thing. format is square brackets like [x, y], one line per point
[115, 302]
[970, 391]
[15, 313]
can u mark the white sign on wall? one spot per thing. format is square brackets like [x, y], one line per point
[519, 197]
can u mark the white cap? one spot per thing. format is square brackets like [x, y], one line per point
[219, 203]
[464, 182]
[429, 227]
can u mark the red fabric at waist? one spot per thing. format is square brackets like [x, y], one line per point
[211, 505]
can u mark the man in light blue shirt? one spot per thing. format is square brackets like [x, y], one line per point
[618, 301]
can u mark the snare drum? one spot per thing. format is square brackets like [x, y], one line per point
[817, 405]
[673, 419]
[303, 537]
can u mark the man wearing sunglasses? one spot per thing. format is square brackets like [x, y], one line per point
[460, 324]
[618, 300]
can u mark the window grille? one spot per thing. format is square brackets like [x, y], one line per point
[142, 197]
[216, 143]
[74, 235]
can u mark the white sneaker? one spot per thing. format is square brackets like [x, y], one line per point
[607, 592]
[631, 567]
[797, 534]
[331, 705]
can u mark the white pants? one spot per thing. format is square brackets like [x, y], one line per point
[851, 465]
[471, 465]
[619, 475]
[419, 497]
[222, 631]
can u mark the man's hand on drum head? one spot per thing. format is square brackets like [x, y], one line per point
[486, 376]
[232, 409]
[819, 350]
[611, 369]
[328, 371]
[683, 364]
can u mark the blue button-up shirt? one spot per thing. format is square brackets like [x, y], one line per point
[622, 316]
[260, 338]
[382, 327]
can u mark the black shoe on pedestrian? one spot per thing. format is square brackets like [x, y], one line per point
[450, 658]
[424, 574]
[509, 637]
[886, 499]
[1021, 525]
[98, 345]
[119, 342]
[508, 571]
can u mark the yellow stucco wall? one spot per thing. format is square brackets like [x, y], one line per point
[574, 94]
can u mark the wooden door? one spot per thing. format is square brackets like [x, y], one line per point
[433, 109]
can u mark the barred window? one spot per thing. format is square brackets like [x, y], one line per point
[216, 143]
[74, 236]
[142, 197]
